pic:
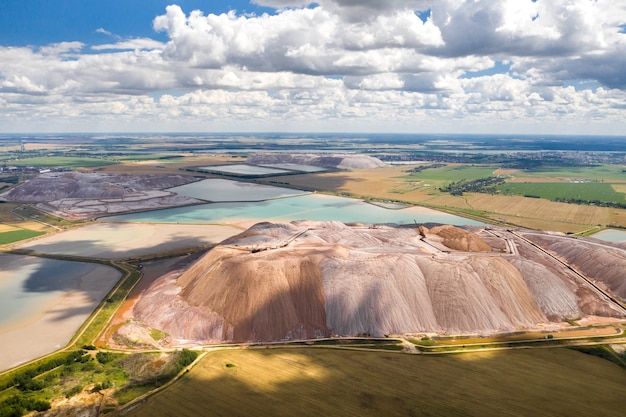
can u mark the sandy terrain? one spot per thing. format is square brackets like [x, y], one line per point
[51, 325]
[125, 240]
[312, 279]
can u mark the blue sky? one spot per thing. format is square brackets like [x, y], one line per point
[441, 66]
[41, 22]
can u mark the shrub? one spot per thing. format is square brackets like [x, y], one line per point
[104, 357]
[186, 357]
[73, 391]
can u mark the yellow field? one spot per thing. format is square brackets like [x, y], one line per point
[620, 188]
[10, 221]
[314, 382]
[7, 228]
[536, 208]
[391, 183]
[388, 183]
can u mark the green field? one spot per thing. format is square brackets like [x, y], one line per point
[62, 162]
[590, 191]
[315, 381]
[152, 156]
[607, 172]
[17, 235]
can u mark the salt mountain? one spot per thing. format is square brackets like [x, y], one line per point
[313, 279]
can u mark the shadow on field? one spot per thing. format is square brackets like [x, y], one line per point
[313, 382]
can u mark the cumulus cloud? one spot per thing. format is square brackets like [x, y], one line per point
[523, 27]
[312, 41]
[336, 61]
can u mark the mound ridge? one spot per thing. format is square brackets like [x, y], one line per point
[88, 185]
[85, 195]
[312, 279]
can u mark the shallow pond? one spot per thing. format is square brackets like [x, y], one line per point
[296, 167]
[611, 235]
[307, 207]
[243, 169]
[118, 241]
[220, 190]
[43, 302]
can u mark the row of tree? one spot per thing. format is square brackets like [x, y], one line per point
[480, 185]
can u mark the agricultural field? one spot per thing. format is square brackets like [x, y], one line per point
[161, 158]
[566, 173]
[19, 223]
[422, 188]
[62, 162]
[22, 222]
[556, 382]
[454, 172]
[587, 191]
[17, 235]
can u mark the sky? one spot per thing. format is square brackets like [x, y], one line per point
[406, 66]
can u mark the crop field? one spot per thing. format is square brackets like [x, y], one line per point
[619, 188]
[161, 158]
[63, 162]
[17, 235]
[393, 184]
[21, 222]
[606, 172]
[588, 191]
[556, 382]
[535, 208]
[454, 172]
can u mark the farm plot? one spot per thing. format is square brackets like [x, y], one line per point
[11, 236]
[455, 173]
[606, 172]
[586, 191]
[63, 162]
[331, 382]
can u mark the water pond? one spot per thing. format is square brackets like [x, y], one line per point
[243, 169]
[220, 190]
[306, 207]
[43, 302]
[611, 235]
[296, 167]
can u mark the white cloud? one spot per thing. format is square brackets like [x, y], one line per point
[337, 64]
[131, 44]
[61, 48]
[104, 31]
